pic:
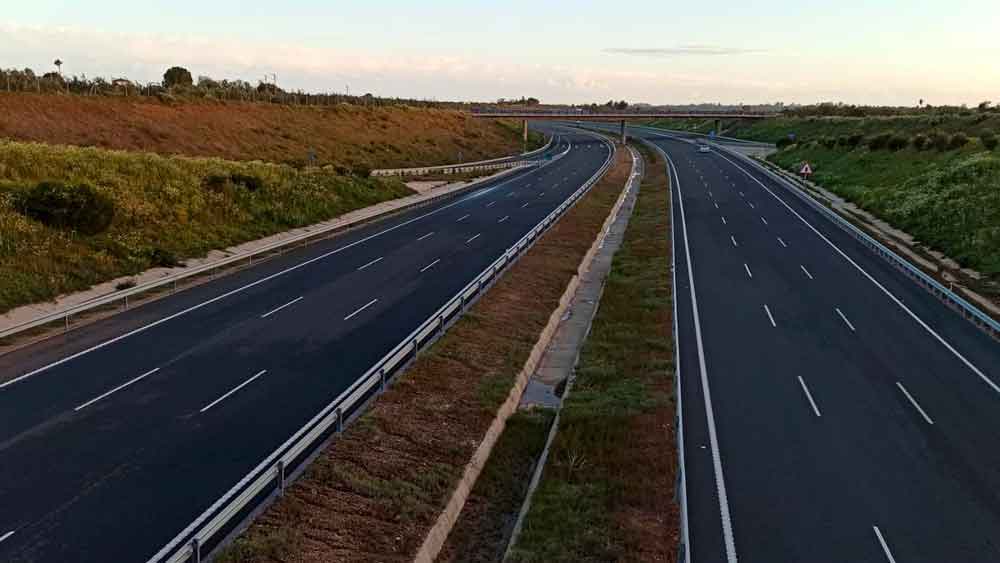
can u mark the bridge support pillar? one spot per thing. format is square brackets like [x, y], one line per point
[525, 136]
[718, 127]
[624, 137]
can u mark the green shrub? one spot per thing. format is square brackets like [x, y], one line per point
[879, 142]
[919, 142]
[939, 141]
[829, 142]
[957, 141]
[898, 142]
[221, 183]
[989, 141]
[784, 142]
[855, 140]
[79, 208]
[162, 258]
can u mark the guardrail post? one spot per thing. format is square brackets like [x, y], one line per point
[340, 421]
[441, 324]
[126, 302]
[67, 323]
[196, 550]
[281, 478]
[381, 381]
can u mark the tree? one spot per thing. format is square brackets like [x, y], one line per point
[58, 64]
[621, 105]
[984, 106]
[177, 76]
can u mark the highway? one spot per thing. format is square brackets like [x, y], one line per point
[116, 436]
[832, 409]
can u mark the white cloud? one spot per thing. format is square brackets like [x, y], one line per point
[686, 50]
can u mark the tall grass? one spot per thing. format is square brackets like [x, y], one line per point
[163, 206]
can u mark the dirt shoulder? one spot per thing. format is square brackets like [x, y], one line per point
[346, 136]
[607, 490]
[373, 494]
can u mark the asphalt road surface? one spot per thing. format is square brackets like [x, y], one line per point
[833, 410]
[123, 432]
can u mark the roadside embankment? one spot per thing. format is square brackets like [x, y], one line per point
[377, 490]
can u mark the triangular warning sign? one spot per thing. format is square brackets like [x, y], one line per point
[806, 169]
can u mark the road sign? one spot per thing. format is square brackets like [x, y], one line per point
[711, 134]
[806, 170]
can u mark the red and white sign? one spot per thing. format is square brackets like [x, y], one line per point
[806, 169]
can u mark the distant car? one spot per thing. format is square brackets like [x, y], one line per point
[704, 148]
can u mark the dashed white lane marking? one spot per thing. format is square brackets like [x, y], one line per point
[747, 268]
[716, 205]
[751, 205]
[369, 304]
[540, 194]
[763, 220]
[237, 388]
[914, 403]
[769, 316]
[885, 547]
[847, 322]
[429, 266]
[275, 310]
[462, 218]
[504, 218]
[115, 390]
[741, 194]
[806, 272]
[511, 194]
[373, 262]
[491, 204]
[473, 238]
[809, 396]
[732, 238]
[523, 206]
[782, 242]
[724, 220]
[7, 535]
[427, 235]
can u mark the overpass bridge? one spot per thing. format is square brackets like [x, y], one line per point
[622, 117]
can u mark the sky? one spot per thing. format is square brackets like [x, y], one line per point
[881, 52]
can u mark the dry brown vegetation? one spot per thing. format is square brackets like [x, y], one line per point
[378, 488]
[348, 136]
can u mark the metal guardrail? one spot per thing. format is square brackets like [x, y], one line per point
[512, 161]
[272, 473]
[968, 310]
[172, 279]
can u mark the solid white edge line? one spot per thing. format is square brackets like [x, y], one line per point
[116, 389]
[369, 304]
[769, 316]
[844, 318]
[914, 403]
[888, 293]
[375, 261]
[267, 278]
[237, 388]
[809, 396]
[747, 268]
[473, 238]
[727, 523]
[885, 547]
[429, 266]
[804, 270]
[289, 304]
[425, 236]
[7, 535]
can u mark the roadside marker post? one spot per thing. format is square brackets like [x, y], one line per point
[806, 171]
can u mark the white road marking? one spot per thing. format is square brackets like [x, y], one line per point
[491, 204]
[375, 261]
[429, 266]
[720, 482]
[525, 205]
[806, 272]
[716, 205]
[885, 547]
[504, 218]
[7, 535]
[462, 218]
[369, 304]
[540, 194]
[273, 311]
[809, 396]
[914, 403]
[115, 390]
[849, 325]
[747, 268]
[741, 194]
[710, 193]
[982, 376]
[751, 205]
[724, 220]
[732, 238]
[237, 388]
[511, 194]
[769, 316]
[473, 238]
[782, 242]
[425, 236]
[763, 220]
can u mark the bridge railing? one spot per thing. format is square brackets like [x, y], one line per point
[512, 161]
[271, 476]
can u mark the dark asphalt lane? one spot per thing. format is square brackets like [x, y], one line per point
[150, 450]
[903, 434]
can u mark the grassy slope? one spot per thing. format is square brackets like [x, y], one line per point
[161, 203]
[351, 137]
[947, 200]
[812, 128]
[607, 491]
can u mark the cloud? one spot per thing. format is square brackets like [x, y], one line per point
[682, 50]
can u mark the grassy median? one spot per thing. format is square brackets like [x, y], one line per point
[607, 491]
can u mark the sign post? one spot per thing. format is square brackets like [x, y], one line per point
[806, 171]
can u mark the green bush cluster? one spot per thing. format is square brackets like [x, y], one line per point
[78, 208]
